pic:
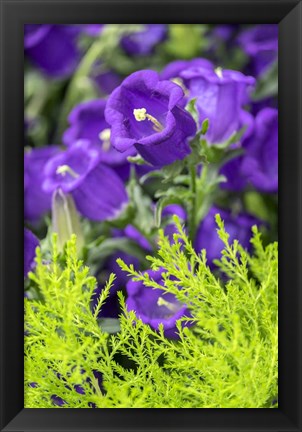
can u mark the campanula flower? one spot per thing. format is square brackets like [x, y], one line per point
[258, 166]
[154, 306]
[224, 32]
[52, 48]
[235, 178]
[87, 122]
[220, 95]
[260, 163]
[30, 244]
[237, 226]
[106, 79]
[36, 201]
[98, 192]
[146, 113]
[144, 41]
[175, 69]
[261, 44]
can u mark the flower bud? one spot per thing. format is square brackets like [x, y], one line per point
[65, 219]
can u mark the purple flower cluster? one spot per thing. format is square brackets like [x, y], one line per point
[146, 114]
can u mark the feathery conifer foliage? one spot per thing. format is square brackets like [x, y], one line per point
[226, 358]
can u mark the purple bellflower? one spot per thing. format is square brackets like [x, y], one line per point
[146, 113]
[52, 48]
[154, 306]
[174, 72]
[98, 192]
[220, 95]
[174, 69]
[106, 80]
[258, 166]
[30, 244]
[237, 226]
[36, 201]
[260, 163]
[235, 179]
[261, 44]
[87, 122]
[143, 42]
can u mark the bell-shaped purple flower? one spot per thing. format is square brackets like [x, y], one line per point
[36, 201]
[260, 163]
[87, 122]
[144, 41]
[30, 244]
[224, 32]
[106, 80]
[261, 44]
[145, 112]
[235, 178]
[154, 306]
[237, 226]
[258, 166]
[52, 48]
[98, 192]
[175, 69]
[220, 96]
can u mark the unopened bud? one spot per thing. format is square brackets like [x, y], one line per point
[65, 219]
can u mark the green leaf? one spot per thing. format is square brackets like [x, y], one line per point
[112, 245]
[267, 85]
[177, 192]
[161, 204]
[169, 172]
[191, 107]
[204, 126]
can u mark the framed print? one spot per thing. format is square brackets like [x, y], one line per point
[158, 193]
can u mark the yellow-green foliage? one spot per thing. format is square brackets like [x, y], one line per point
[227, 359]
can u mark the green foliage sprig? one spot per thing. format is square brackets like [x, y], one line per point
[227, 358]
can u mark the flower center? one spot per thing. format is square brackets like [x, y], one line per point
[218, 72]
[171, 306]
[63, 169]
[105, 137]
[141, 114]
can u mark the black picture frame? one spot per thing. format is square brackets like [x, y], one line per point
[14, 14]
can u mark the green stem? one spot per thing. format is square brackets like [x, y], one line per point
[82, 72]
[192, 214]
